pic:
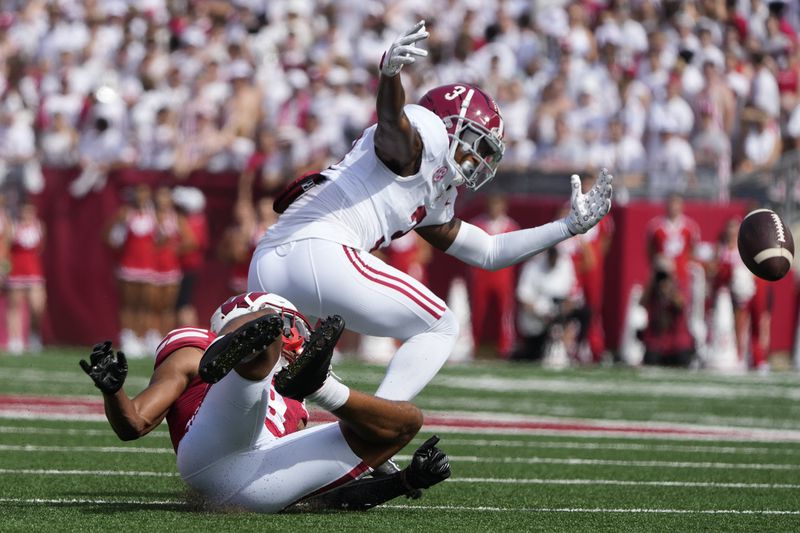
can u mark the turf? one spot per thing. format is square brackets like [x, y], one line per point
[63, 475]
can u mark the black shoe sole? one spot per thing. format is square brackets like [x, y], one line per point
[306, 374]
[224, 354]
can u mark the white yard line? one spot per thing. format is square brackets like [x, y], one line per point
[107, 432]
[626, 483]
[583, 386]
[463, 442]
[623, 446]
[81, 449]
[99, 473]
[592, 510]
[457, 508]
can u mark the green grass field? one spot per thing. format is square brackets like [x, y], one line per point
[588, 449]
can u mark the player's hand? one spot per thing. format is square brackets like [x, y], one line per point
[586, 210]
[106, 368]
[429, 466]
[403, 51]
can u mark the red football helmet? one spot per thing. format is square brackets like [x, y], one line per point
[296, 329]
[473, 122]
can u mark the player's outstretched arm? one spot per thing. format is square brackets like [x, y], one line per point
[134, 418]
[397, 143]
[475, 247]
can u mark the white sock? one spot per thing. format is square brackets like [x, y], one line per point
[419, 359]
[332, 395]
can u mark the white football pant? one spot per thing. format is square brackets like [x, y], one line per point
[229, 456]
[323, 278]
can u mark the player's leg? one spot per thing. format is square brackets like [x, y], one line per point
[324, 278]
[372, 427]
[479, 305]
[15, 303]
[37, 300]
[232, 415]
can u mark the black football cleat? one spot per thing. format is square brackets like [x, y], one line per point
[229, 350]
[306, 374]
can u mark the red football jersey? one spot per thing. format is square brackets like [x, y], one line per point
[675, 239]
[283, 414]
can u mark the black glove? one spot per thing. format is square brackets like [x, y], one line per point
[107, 370]
[429, 465]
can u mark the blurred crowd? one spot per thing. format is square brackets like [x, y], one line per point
[671, 95]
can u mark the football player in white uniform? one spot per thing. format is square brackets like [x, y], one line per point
[402, 174]
[240, 442]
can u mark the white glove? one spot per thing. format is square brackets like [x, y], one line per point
[586, 210]
[403, 52]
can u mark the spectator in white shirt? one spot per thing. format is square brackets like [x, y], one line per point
[762, 141]
[712, 153]
[102, 149]
[764, 92]
[672, 166]
[19, 170]
[793, 127]
[59, 143]
[158, 141]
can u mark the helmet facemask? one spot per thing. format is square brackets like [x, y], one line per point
[477, 144]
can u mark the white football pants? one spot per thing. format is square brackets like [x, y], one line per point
[229, 456]
[324, 278]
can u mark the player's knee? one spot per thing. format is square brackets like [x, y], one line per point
[447, 325]
[411, 424]
[403, 426]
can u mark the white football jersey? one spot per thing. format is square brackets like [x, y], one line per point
[365, 205]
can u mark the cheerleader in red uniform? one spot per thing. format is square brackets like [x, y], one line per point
[133, 234]
[26, 280]
[171, 232]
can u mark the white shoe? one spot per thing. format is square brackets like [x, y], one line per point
[131, 345]
[16, 346]
[152, 340]
[34, 343]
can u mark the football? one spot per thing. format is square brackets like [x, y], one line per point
[766, 244]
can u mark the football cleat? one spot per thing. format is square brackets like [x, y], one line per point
[306, 374]
[389, 468]
[229, 350]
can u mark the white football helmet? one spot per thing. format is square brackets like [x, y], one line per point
[296, 328]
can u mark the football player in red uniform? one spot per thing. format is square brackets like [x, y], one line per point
[233, 404]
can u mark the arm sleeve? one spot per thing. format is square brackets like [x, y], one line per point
[475, 247]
